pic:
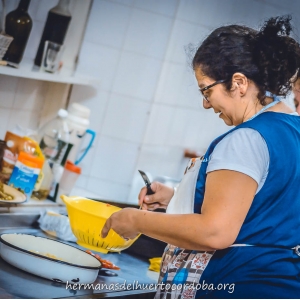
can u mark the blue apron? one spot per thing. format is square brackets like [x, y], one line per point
[270, 268]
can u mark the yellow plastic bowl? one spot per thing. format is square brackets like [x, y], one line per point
[87, 218]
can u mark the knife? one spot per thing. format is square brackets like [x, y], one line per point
[147, 182]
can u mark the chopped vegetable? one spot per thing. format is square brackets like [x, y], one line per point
[3, 195]
[106, 264]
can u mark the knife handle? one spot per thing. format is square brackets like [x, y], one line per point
[149, 190]
[147, 182]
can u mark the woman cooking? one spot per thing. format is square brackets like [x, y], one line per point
[234, 220]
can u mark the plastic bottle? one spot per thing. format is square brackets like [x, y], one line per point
[25, 173]
[42, 187]
[78, 123]
[69, 177]
[18, 25]
[54, 143]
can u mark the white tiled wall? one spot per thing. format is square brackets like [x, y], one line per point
[124, 46]
[21, 100]
[26, 103]
[29, 103]
[147, 109]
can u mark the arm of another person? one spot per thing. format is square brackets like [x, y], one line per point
[228, 197]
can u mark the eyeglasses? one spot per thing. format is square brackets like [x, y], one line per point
[208, 87]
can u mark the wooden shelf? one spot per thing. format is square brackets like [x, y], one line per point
[28, 70]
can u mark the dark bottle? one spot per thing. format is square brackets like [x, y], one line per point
[18, 24]
[2, 149]
[56, 27]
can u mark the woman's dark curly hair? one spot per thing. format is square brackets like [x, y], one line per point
[269, 57]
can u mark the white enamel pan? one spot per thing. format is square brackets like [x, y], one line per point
[49, 258]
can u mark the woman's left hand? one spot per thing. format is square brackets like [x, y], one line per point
[123, 223]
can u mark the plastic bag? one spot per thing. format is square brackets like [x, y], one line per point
[56, 225]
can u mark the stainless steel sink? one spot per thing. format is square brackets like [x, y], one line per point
[17, 220]
[15, 283]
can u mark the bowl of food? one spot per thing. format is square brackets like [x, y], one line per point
[11, 195]
[87, 218]
[48, 258]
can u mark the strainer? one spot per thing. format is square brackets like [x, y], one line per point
[87, 218]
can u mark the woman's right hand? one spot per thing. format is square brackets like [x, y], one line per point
[160, 199]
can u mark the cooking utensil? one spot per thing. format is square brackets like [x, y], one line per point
[87, 218]
[48, 258]
[147, 182]
[148, 185]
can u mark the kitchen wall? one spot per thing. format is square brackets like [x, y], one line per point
[29, 103]
[147, 110]
[22, 100]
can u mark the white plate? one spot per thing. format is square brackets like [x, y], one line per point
[18, 196]
[70, 263]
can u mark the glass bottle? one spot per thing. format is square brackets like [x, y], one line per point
[54, 138]
[2, 148]
[18, 24]
[56, 27]
[54, 143]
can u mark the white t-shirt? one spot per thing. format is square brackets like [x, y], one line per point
[243, 150]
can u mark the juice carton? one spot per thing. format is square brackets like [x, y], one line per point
[25, 173]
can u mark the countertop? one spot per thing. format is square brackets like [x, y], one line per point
[134, 275]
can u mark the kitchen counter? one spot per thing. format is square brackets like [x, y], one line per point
[134, 280]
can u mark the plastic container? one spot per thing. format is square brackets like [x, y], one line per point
[79, 110]
[78, 122]
[87, 217]
[25, 173]
[68, 180]
[56, 225]
[14, 145]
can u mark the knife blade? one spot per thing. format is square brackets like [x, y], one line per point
[147, 182]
